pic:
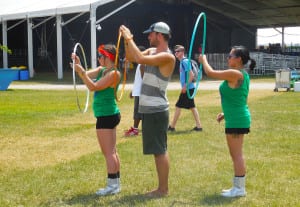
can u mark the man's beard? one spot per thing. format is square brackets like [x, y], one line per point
[153, 43]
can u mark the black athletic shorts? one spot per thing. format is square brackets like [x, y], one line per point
[237, 130]
[108, 122]
[184, 101]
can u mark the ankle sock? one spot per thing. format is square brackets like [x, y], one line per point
[112, 175]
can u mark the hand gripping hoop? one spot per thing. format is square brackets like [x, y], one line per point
[74, 79]
[202, 14]
[116, 69]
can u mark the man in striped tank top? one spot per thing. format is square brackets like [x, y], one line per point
[154, 105]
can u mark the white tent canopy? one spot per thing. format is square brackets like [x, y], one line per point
[20, 9]
[26, 10]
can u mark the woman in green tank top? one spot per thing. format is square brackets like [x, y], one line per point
[234, 94]
[105, 110]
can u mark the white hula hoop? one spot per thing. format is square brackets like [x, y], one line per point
[74, 79]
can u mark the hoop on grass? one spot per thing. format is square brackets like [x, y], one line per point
[116, 69]
[203, 16]
[82, 55]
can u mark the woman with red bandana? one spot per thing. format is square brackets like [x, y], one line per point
[105, 110]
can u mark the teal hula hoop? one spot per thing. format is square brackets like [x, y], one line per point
[201, 15]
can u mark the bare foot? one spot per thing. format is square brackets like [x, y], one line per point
[156, 194]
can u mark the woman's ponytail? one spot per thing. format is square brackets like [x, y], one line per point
[252, 64]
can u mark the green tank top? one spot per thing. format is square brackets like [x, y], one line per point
[104, 103]
[234, 104]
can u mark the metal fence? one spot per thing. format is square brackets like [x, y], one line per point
[266, 64]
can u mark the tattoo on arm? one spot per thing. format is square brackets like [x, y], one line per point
[239, 82]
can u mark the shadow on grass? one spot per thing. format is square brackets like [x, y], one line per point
[138, 199]
[82, 199]
[91, 199]
[182, 203]
[178, 132]
[215, 200]
[132, 200]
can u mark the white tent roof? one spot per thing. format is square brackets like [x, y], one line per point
[21, 9]
[28, 9]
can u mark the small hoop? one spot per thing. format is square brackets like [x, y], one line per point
[202, 14]
[116, 70]
[74, 79]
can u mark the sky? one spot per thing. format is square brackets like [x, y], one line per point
[270, 35]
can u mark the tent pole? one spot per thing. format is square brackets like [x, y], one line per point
[4, 42]
[282, 40]
[93, 38]
[30, 47]
[59, 47]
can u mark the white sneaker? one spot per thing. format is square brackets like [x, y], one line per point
[113, 187]
[109, 190]
[234, 192]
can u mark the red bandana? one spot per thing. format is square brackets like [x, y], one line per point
[106, 53]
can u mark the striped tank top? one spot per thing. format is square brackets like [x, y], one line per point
[153, 97]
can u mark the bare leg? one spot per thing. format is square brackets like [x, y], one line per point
[162, 168]
[176, 116]
[196, 117]
[235, 145]
[136, 123]
[107, 142]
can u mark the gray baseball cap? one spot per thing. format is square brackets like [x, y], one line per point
[160, 27]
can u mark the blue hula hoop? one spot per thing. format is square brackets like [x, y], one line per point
[201, 15]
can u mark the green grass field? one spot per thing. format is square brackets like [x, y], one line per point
[50, 156]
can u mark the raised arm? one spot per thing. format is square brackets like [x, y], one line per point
[230, 75]
[163, 59]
